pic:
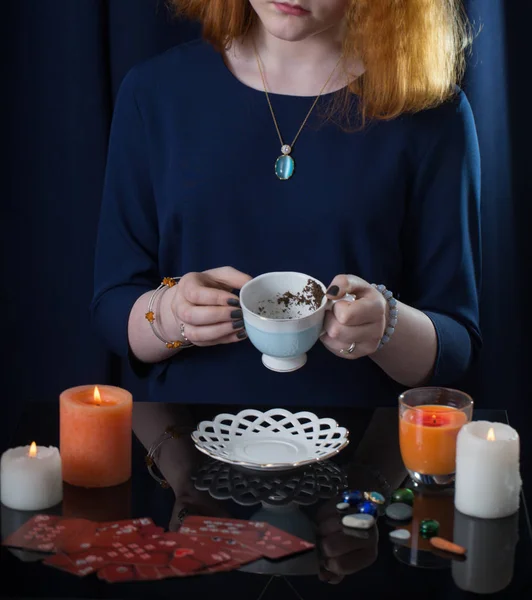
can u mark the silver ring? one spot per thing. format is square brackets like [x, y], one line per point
[349, 350]
[182, 330]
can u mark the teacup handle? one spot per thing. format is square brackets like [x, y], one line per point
[331, 303]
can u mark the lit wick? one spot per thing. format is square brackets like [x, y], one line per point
[33, 450]
[97, 397]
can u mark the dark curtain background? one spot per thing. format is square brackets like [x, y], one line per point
[64, 61]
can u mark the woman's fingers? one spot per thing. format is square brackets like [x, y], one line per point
[212, 333]
[207, 315]
[208, 312]
[207, 296]
[227, 277]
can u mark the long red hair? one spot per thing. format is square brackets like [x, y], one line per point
[413, 50]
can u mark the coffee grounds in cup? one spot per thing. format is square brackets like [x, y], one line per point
[293, 306]
[311, 295]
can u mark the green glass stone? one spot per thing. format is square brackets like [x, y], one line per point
[429, 528]
[284, 167]
[403, 495]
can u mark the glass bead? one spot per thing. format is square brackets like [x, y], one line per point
[429, 528]
[367, 508]
[374, 497]
[352, 497]
[403, 495]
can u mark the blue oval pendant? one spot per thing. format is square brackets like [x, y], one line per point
[284, 167]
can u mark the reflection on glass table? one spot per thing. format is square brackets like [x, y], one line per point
[303, 503]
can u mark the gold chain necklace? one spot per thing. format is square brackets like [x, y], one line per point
[285, 164]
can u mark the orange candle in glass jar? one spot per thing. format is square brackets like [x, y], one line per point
[427, 436]
[95, 435]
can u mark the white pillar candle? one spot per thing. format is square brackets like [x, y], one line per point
[31, 478]
[487, 483]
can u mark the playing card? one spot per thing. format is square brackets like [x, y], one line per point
[275, 543]
[147, 573]
[127, 525]
[164, 572]
[75, 535]
[63, 563]
[129, 531]
[266, 539]
[233, 528]
[106, 539]
[239, 553]
[201, 547]
[118, 573]
[39, 534]
[94, 557]
[133, 554]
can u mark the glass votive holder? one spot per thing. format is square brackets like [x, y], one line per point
[429, 421]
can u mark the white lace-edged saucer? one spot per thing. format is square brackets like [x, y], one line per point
[275, 440]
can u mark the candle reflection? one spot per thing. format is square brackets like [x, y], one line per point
[490, 547]
[97, 504]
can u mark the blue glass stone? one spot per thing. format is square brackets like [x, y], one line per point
[367, 508]
[284, 167]
[352, 497]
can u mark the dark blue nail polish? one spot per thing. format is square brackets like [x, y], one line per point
[333, 290]
[233, 302]
[238, 324]
[236, 314]
[241, 335]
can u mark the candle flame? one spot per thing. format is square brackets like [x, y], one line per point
[33, 450]
[491, 435]
[97, 397]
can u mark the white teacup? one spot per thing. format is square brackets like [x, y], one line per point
[283, 335]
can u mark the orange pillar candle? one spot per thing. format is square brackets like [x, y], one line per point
[95, 435]
[427, 436]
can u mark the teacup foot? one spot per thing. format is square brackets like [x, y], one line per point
[284, 365]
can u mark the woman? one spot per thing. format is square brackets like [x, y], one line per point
[320, 136]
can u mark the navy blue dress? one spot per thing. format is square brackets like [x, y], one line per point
[190, 186]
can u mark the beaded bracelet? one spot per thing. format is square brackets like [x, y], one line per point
[166, 284]
[392, 322]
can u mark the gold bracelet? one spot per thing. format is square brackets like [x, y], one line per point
[151, 317]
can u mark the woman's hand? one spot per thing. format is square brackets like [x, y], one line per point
[190, 501]
[361, 322]
[209, 311]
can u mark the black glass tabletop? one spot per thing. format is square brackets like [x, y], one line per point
[344, 562]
